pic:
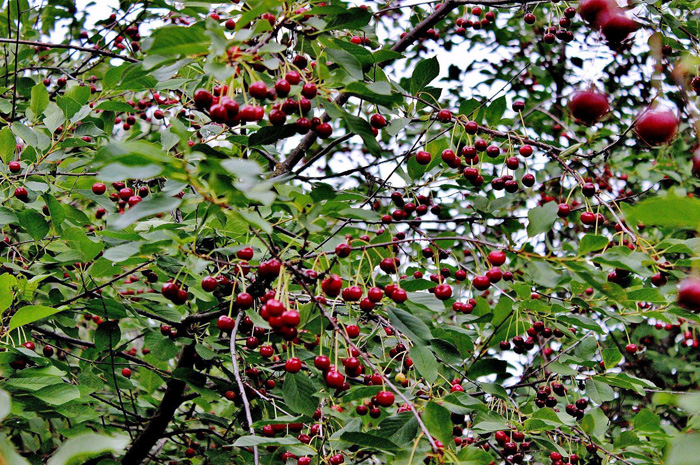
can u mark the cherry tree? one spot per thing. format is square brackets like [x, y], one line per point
[303, 232]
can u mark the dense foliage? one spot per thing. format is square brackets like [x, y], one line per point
[316, 233]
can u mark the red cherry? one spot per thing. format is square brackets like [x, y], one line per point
[377, 121]
[309, 90]
[631, 349]
[375, 294]
[353, 331]
[385, 398]
[203, 99]
[245, 253]
[399, 296]
[14, 167]
[352, 293]
[563, 210]
[616, 26]
[225, 323]
[588, 106]
[332, 285]
[656, 127]
[334, 379]
[444, 116]
[497, 257]
[689, 294]
[22, 194]
[244, 301]
[423, 157]
[209, 284]
[293, 365]
[481, 283]
[99, 188]
[443, 291]
[322, 362]
[126, 373]
[258, 90]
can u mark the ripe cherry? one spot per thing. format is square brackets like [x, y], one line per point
[22, 194]
[656, 127]
[481, 283]
[126, 372]
[423, 157]
[209, 284]
[245, 253]
[689, 294]
[385, 398]
[293, 365]
[377, 121]
[225, 323]
[322, 362]
[14, 167]
[525, 151]
[631, 349]
[563, 210]
[588, 106]
[353, 331]
[443, 291]
[497, 257]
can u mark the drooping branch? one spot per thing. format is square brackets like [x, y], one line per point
[95, 51]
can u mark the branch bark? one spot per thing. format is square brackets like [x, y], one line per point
[172, 399]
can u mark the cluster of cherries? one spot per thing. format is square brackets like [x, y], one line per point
[225, 110]
[521, 345]
[544, 398]
[477, 23]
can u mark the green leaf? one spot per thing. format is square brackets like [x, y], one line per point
[58, 394]
[58, 215]
[29, 314]
[107, 336]
[368, 440]
[399, 428]
[119, 172]
[670, 211]
[599, 392]
[40, 99]
[437, 420]
[151, 206]
[77, 238]
[5, 404]
[344, 18]
[8, 454]
[33, 223]
[8, 145]
[299, 393]
[611, 357]
[409, 324]
[424, 73]
[269, 135]
[177, 40]
[495, 111]
[647, 421]
[684, 450]
[425, 362]
[25, 133]
[115, 105]
[541, 219]
[592, 243]
[361, 127]
[81, 448]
